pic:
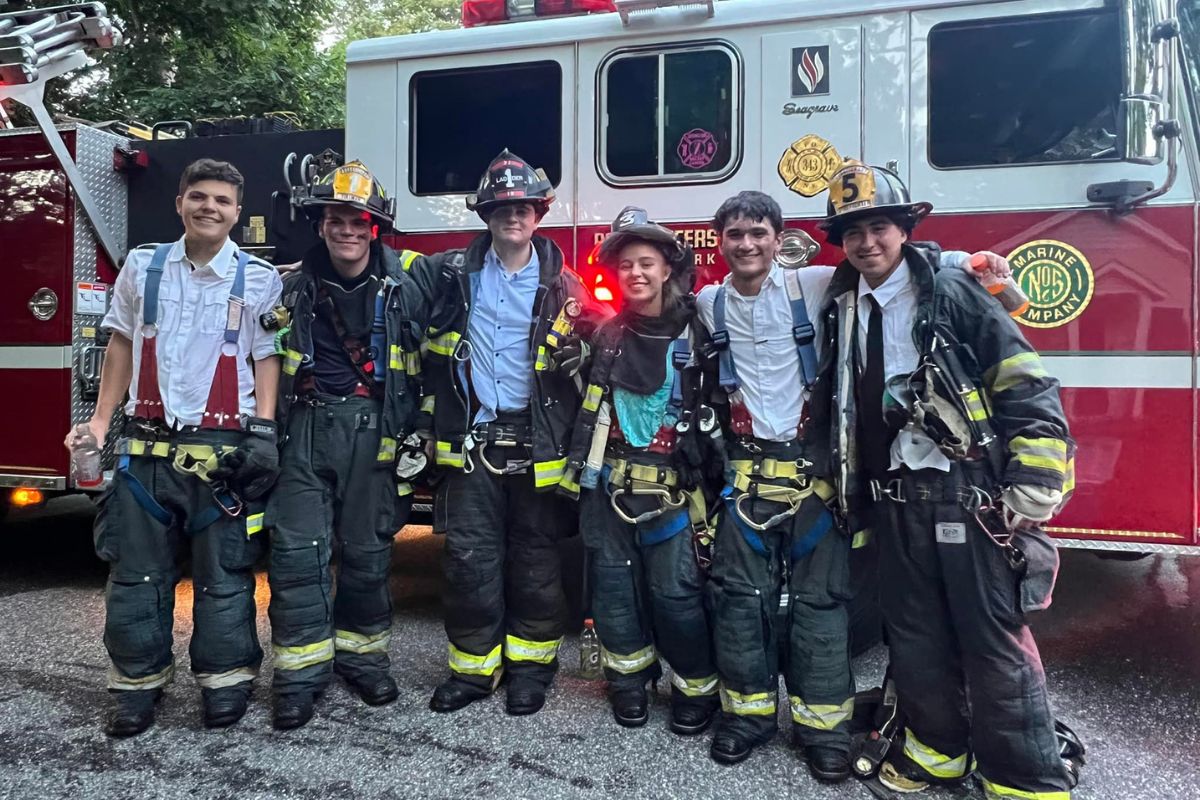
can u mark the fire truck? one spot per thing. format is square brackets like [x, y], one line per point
[1060, 133]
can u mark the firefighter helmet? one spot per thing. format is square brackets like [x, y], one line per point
[857, 190]
[633, 224]
[350, 184]
[510, 179]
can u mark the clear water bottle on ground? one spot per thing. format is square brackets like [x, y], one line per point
[85, 458]
[589, 653]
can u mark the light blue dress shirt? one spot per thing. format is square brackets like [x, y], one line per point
[501, 318]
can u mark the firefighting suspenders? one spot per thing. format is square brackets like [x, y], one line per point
[748, 475]
[194, 459]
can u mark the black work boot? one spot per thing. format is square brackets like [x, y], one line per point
[454, 694]
[735, 739]
[225, 706]
[827, 764]
[292, 710]
[692, 715]
[525, 696]
[375, 688]
[630, 706]
[132, 713]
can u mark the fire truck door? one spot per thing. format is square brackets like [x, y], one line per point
[811, 98]
[36, 255]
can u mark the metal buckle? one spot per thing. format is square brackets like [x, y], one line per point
[510, 467]
[462, 351]
[219, 488]
[892, 490]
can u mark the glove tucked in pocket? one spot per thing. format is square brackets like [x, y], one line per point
[252, 468]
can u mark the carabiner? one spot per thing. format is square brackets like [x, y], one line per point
[793, 507]
[668, 504]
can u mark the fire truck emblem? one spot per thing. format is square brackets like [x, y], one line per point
[697, 148]
[1056, 277]
[808, 165]
[809, 73]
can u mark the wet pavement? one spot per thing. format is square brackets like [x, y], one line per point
[1121, 646]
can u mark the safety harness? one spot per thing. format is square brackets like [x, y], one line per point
[222, 411]
[803, 334]
[765, 478]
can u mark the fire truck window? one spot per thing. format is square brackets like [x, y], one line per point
[683, 128]
[462, 118]
[1041, 89]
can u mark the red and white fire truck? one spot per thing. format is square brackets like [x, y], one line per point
[1060, 133]
[1064, 134]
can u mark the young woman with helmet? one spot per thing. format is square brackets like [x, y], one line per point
[639, 449]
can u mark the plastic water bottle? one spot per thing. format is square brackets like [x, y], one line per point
[1005, 290]
[589, 653]
[85, 458]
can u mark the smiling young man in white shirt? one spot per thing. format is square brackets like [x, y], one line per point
[198, 450]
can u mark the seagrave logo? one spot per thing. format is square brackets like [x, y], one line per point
[1057, 279]
[810, 73]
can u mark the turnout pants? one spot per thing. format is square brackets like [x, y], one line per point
[647, 598]
[151, 516]
[966, 666]
[333, 498]
[749, 569]
[504, 602]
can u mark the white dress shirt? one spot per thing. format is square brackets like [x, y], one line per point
[192, 307]
[897, 299]
[763, 349]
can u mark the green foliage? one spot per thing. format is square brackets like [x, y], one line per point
[191, 59]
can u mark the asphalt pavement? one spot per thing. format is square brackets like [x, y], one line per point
[1121, 646]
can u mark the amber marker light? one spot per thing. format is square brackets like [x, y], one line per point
[24, 496]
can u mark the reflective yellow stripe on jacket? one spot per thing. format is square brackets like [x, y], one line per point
[444, 345]
[447, 455]
[1014, 370]
[1041, 453]
[548, 473]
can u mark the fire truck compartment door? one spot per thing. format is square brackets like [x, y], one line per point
[811, 106]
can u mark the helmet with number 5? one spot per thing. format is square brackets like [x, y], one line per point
[857, 190]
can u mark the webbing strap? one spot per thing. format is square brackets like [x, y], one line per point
[802, 329]
[665, 527]
[809, 541]
[142, 494]
[727, 375]
[681, 354]
[154, 274]
[237, 300]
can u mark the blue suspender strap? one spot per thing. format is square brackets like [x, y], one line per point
[749, 534]
[237, 300]
[727, 375]
[139, 491]
[681, 354]
[802, 329]
[154, 274]
[663, 528]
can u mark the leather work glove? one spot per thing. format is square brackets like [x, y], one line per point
[1029, 506]
[570, 357]
[252, 468]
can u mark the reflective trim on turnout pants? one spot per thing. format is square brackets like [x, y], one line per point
[647, 597]
[503, 591]
[143, 548]
[813, 651]
[959, 640]
[332, 498]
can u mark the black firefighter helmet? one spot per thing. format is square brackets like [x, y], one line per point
[857, 190]
[510, 179]
[351, 185]
[632, 225]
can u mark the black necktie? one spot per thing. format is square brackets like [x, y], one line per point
[876, 439]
